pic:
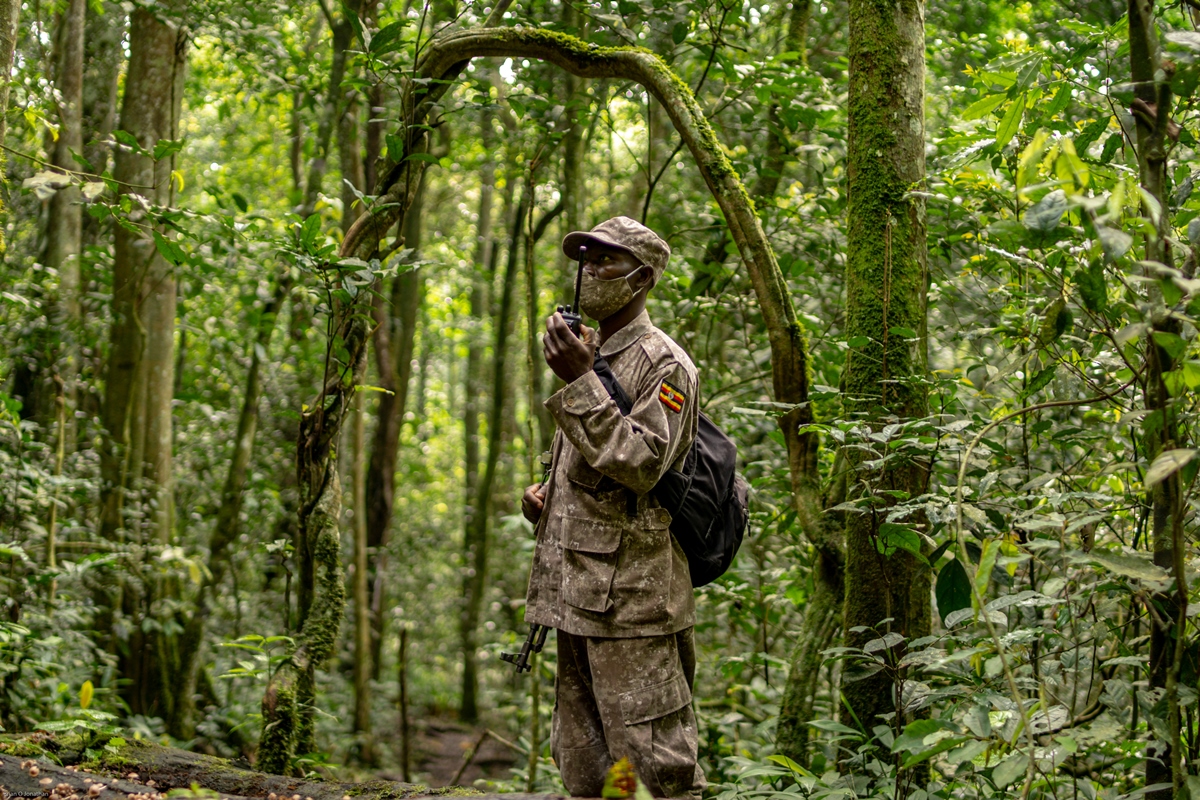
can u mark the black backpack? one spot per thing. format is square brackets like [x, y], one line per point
[707, 499]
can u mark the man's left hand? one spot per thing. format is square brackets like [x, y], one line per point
[570, 357]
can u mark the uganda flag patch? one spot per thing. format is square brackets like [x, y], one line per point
[671, 397]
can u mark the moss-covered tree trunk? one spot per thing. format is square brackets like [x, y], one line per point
[1151, 112]
[886, 280]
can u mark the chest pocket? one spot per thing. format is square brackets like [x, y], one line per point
[589, 562]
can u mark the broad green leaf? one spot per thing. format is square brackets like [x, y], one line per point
[835, 727]
[941, 746]
[1053, 325]
[1093, 289]
[983, 106]
[1131, 565]
[1031, 156]
[953, 591]
[968, 752]
[915, 732]
[1041, 380]
[679, 32]
[784, 761]
[1167, 463]
[1010, 769]
[1044, 215]
[1069, 166]
[1115, 242]
[893, 537]
[1191, 374]
[1111, 145]
[987, 562]
[1010, 123]
[1172, 343]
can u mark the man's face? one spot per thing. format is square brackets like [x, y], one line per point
[608, 263]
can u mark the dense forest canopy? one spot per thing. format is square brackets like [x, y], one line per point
[272, 291]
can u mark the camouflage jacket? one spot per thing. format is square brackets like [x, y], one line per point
[605, 563]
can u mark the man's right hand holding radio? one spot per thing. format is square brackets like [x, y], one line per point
[569, 357]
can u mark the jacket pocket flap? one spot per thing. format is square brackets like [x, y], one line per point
[655, 701]
[581, 472]
[589, 536]
[656, 519]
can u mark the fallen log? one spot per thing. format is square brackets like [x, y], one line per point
[142, 770]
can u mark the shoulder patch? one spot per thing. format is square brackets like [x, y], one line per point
[671, 397]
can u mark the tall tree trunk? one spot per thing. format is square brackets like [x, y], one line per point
[394, 340]
[485, 255]
[64, 224]
[1152, 112]
[362, 605]
[885, 289]
[477, 533]
[136, 451]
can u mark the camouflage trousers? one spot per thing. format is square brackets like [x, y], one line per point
[630, 698]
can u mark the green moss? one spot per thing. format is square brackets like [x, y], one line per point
[22, 747]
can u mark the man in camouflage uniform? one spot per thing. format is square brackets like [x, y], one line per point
[607, 573]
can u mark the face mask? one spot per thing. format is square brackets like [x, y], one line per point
[601, 299]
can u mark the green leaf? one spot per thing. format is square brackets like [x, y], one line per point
[834, 727]
[784, 761]
[987, 562]
[1093, 289]
[1172, 343]
[240, 202]
[1167, 464]
[1044, 215]
[388, 38]
[953, 591]
[310, 230]
[169, 249]
[1111, 145]
[983, 106]
[893, 537]
[517, 106]
[1010, 769]
[859, 341]
[126, 138]
[915, 732]
[907, 333]
[1010, 123]
[941, 746]
[1115, 242]
[166, 148]
[1052, 326]
[1041, 380]
[1062, 98]
[428, 158]
[679, 32]
[395, 147]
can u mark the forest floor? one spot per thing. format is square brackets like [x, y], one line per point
[442, 745]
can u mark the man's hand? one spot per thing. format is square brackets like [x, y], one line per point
[533, 501]
[569, 357]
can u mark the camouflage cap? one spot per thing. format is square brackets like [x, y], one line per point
[627, 234]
